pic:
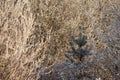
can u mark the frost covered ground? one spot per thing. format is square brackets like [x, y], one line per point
[34, 36]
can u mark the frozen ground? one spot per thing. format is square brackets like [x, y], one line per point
[34, 35]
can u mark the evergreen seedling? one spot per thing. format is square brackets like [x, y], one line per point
[78, 53]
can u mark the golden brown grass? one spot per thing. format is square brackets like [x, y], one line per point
[36, 32]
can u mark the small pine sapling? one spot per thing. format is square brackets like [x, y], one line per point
[78, 53]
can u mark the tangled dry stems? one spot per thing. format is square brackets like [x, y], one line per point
[36, 32]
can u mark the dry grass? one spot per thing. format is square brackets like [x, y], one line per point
[36, 32]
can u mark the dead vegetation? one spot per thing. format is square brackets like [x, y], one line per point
[35, 33]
